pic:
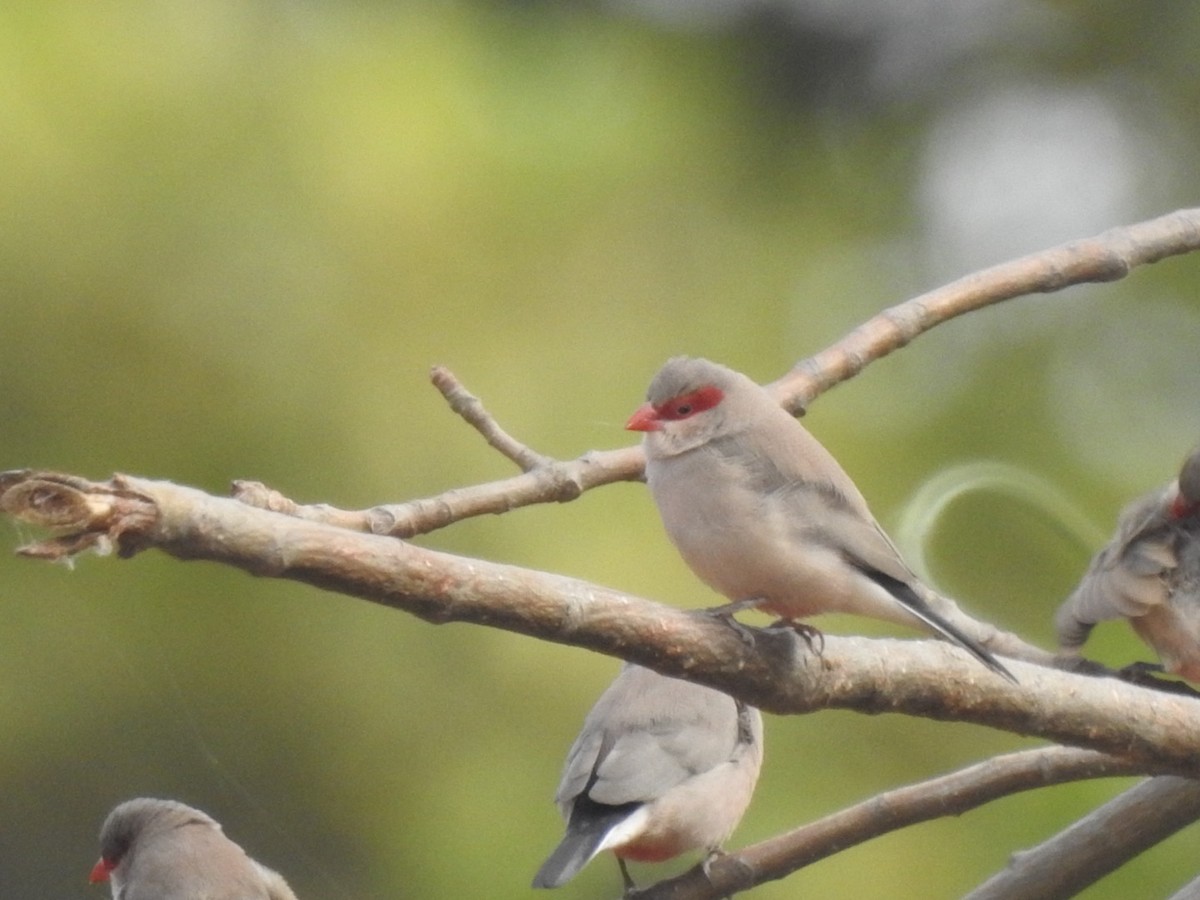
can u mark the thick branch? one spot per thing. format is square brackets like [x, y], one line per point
[777, 673]
[948, 795]
[1099, 843]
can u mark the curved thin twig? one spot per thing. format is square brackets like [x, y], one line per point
[1106, 257]
[946, 795]
[472, 410]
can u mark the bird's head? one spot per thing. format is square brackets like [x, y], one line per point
[689, 403]
[133, 820]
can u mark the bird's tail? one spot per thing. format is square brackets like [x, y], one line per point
[971, 645]
[919, 607]
[590, 824]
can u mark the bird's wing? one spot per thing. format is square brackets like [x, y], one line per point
[819, 513]
[1128, 577]
[660, 737]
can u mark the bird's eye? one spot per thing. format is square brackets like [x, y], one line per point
[684, 405]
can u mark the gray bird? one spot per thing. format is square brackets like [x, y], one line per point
[1149, 573]
[762, 512]
[164, 850]
[661, 766]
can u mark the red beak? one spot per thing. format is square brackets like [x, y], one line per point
[644, 419]
[101, 870]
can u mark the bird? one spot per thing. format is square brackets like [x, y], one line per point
[661, 766]
[153, 849]
[1148, 573]
[762, 512]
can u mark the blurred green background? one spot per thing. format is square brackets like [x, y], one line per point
[235, 236]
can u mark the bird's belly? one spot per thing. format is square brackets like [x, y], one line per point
[749, 546]
[749, 565]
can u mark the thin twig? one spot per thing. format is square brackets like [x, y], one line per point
[1106, 257]
[947, 795]
[558, 482]
[1099, 843]
[472, 410]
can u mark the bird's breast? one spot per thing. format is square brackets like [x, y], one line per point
[741, 543]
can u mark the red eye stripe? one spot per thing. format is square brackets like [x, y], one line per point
[689, 404]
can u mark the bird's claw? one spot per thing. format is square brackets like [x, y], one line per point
[745, 871]
[1070, 662]
[812, 636]
[1136, 671]
[726, 612]
[631, 889]
[1144, 674]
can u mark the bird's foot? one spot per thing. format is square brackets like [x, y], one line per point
[711, 857]
[810, 634]
[1144, 674]
[1141, 669]
[726, 612]
[1071, 662]
[744, 877]
[631, 889]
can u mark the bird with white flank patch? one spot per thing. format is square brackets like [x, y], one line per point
[661, 766]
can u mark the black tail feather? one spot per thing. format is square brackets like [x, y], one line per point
[919, 607]
[589, 825]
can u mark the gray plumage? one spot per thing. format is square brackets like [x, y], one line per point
[1148, 573]
[661, 766]
[163, 850]
[763, 513]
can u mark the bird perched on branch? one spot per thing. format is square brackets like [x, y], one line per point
[1149, 573]
[163, 850]
[762, 512]
[661, 766]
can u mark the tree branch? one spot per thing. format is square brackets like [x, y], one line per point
[471, 409]
[556, 482]
[1099, 843]
[1125, 728]
[923, 678]
[1106, 257]
[947, 795]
